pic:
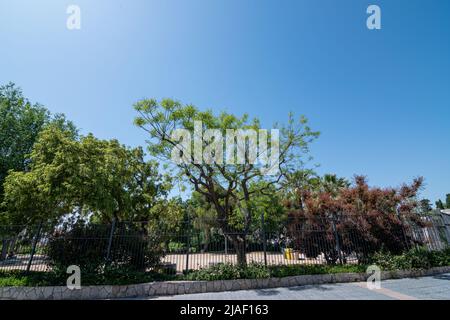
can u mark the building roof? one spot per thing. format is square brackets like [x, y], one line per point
[446, 211]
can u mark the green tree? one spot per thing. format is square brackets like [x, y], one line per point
[332, 184]
[203, 217]
[425, 206]
[306, 180]
[20, 123]
[225, 186]
[86, 177]
[441, 205]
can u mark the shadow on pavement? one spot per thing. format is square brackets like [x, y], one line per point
[445, 276]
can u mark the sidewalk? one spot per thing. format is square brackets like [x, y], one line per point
[434, 287]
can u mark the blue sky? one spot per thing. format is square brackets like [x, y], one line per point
[380, 98]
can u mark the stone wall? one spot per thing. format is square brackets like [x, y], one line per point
[184, 287]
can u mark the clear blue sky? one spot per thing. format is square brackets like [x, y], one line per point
[380, 98]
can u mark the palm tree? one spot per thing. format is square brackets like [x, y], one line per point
[330, 183]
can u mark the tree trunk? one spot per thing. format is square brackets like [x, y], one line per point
[12, 247]
[207, 240]
[239, 243]
[4, 252]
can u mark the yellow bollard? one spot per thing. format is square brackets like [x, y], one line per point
[288, 253]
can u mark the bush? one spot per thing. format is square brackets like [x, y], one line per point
[86, 245]
[81, 245]
[297, 270]
[17, 278]
[440, 258]
[227, 271]
[176, 246]
[416, 258]
[123, 276]
[110, 276]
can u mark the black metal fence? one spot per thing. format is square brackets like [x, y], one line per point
[191, 245]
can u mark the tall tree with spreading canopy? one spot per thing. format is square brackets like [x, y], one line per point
[226, 186]
[84, 176]
[20, 124]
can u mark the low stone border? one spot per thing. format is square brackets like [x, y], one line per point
[184, 287]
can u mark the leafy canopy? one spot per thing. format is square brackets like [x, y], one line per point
[86, 176]
[20, 124]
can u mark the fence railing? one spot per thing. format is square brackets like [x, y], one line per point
[192, 245]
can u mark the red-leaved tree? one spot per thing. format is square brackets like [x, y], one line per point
[357, 220]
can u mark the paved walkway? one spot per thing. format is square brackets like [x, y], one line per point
[434, 287]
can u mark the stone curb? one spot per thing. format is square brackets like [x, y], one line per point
[185, 287]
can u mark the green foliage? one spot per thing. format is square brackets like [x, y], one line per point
[110, 276]
[441, 205]
[425, 206]
[269, 204]
[176, 246]
[227, 271]
[296, 270]
[18, 278]
[20, 124]
[416, 258]
[226, 186]
[85, 175]
[168, 216]
[85, 245]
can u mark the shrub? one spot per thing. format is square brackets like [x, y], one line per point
[135, 249]
[297, 270]
[176, 246]
[441, 258]
[416, 258]
[110, 276]
[363, 218]
[17, 278]
[227, 271]
[81, 245]
[86, 245]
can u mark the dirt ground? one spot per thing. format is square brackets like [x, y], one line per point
[195, 260]
[202, 260]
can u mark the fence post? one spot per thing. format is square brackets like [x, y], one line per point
[5, 248]
[111, 234]
[33, 247]
[338, 242]
[408, 244]
[263, 230]
[226, 244]
[188, 243]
